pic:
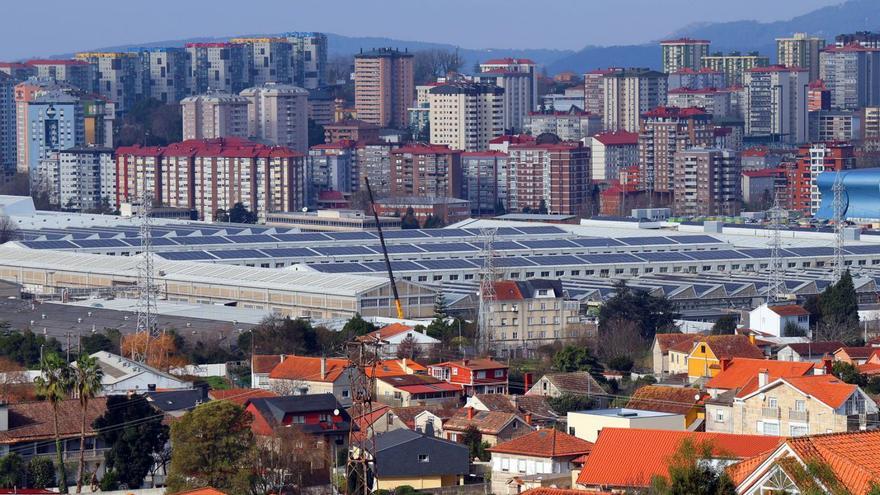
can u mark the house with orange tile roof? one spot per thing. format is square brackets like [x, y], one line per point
[872, 365]
[630, 458]
[239, 396]
[494, 426]
[802, 405]
[808, 351]
[855, 356]
[676, 400]
[474, 376]
[396, 367]
[704, 360]
[395, 334]
[660, 349]
[382, 419]
[261, 366]
[774, 319]
[415, 390]
[203, 491]
[300, 375]
[852, 461]
[540, 458]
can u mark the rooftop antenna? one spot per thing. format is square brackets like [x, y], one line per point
[488, 276]
[774, 280]
[838, 226]
[146, 306]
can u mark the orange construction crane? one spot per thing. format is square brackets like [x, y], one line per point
[384, 251]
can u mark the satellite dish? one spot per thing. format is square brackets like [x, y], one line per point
[305, 209]
[336, 412]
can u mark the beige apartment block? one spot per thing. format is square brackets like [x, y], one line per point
[214, 115]
[279, 114]
[384, 87]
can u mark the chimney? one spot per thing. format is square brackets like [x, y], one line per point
[4, 416]
[827, 364]
[404, 366]
[752, 339]
[470, 412]
[283, 356]
[527, 382]
[763, 377]
[323, 367]
[725, 363]
[529, 419]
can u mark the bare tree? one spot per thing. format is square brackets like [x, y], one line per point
[619, 338]
[8, 230]
[289, 460]
[14, 383]
[408, 348]
[431, 64]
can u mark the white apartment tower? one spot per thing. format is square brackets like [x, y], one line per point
[214, 115]
[800, 50]
[279, 114]
[627, 94]
[466, 116]
[519, 78]
[775, 103]
[683, 53]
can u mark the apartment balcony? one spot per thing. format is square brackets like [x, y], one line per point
[770, 412]
[799, 416]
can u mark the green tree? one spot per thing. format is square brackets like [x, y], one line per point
[726, 325]
[576, 358]
[848, 373]
[792, 329]
[542, 207]
[432, 222]
[316, 133]
[240, 214]
[409, 220]
[358, 326]
[53, 384]
[499, 208]
[135, 435]
[569, 402]
[621, 363]
[98, 342]
[840, 311]
[24, 347]
[474, 440]
[689, 473]
[86, 381]
[285, 336]
[221, 216]
[41, 472]
[12, 471]
[651, 313]
[213, 446]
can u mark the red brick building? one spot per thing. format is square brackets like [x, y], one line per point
[426, 171]
[554, 176]
[450, 210]
[475, 376]
[664, 131]
[812, 160]
[351, 130]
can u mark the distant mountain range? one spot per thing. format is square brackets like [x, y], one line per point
[745, 36]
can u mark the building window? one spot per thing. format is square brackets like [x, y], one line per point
[424, 458]
[799, 430]
[499, 373]
[719, 416]
[571, 431]
[481, 375]
[345, 393]
[770, 429]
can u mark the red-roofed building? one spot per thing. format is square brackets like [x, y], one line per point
[853, 461]
[555, 177]
[17, 70]
[397, 367]
[611, 151]
[400, 337]
[426, 171]
[416, 390]
[663, 132]
[777, 319]
[298, 375]
[351, 130]
[760, 186]
[812, 160]
[519, 78]
[240, 396]
[214, 174]
[630, 458]
[683, 53]
[474, 376]
[855, 356]
[541, 458]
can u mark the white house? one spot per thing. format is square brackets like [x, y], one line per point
[301, 375]
[396, 334]
[772, 319]
[587, 424]
[123, 375]
[540, 458]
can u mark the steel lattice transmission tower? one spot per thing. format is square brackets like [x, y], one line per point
[774, 275]
[839, 262]
[146, 287]
[360, 467]
[488, 277]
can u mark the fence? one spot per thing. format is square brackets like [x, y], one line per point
[473, 489]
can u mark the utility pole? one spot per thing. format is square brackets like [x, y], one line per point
[488, 277]
[146, 307]
[839, 263]
[363, 357]
[774, 275]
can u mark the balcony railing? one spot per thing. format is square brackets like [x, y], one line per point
[802, 416]
[770, 412]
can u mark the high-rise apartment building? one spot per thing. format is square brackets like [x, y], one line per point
[81, 178]
[627, 94]
[279, 114]
[116, 76]
[485, 181]
[267, 60]
[212, 175]
[465, 116]
[835, 125]
[735, 65]
[775, 103]
[164, 73]
[715, 101]
[334, 167]
[683, 53]
[77, 73]
[519, 79]
[571, 125]
[852, 75]
[554, 177]
[216, 67]
[594, 91]
[707, 182]
[871, 122]
[813, 159]
[384, 87]
[17, 70]
[703, 78]
[214, 115]
[8, 144]
[818, 96]
[309, 59]
[426, 171]
[866, 39]
[800, 50]
[612, 151]
[374, 163]
[665, 131]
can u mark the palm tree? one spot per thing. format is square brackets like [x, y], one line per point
[86, 381]
[53, 384]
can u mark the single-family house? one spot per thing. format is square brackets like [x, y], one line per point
[588, 425]
[494, 426]
[430, 420]
[660, 350]
[396, 367]
[851, 460]
[122, 376]
[176, 403]
[405, 457]
[382, 419]
[559, 384]
[396, 335]
[535, 407]
[872, 365]
[317, 414]
[475, 376]
[415, 390]
[813, 352]
[628, 459]
[240, 396]
[780, 320]
[855, 356]
[261, 366]
[704, 359]
[685, 401]
[301, 375]
[540, 458]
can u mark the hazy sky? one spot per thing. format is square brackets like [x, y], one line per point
[45, 27]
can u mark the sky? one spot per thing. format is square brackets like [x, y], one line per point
[47, 27]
